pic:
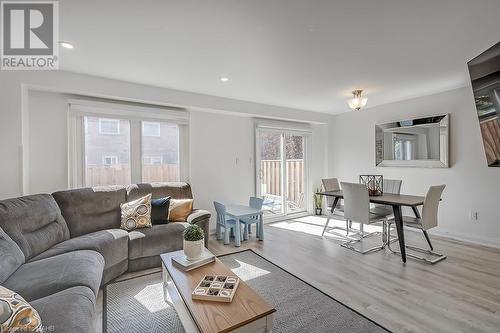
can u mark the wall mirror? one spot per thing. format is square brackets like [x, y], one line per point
[421, 142]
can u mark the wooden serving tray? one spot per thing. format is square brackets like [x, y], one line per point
[217, 288]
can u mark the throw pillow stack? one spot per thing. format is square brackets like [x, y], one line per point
[146, 212]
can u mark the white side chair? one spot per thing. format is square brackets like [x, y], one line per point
[332, 184]
[357, 209]
[428, 221]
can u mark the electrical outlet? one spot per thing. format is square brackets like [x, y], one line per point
[473, 215]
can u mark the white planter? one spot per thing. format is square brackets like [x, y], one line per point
[193, 250]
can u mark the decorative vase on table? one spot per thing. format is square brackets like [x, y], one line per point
[374, 184]
[193, 242]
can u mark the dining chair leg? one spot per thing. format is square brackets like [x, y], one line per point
[237, 233]
[226, 236]
[347, 222]
[384, 232]
[326, 225]
[249, 229]
[246, 231]
[428, 239]
[261, 227]
[218, 231]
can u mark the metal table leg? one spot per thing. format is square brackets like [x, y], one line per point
[398, 218]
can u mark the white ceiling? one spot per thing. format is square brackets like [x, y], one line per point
[305, 54]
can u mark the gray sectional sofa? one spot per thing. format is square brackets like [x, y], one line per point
[57, 250]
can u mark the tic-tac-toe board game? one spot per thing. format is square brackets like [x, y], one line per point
[217, 288]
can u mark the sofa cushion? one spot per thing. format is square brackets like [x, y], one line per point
[156, 240]
[34, 222]
[177, 190]
[11, 256]
[43, 277]
[112, 244]
[88, 210]
[17, 315]
[70, 310]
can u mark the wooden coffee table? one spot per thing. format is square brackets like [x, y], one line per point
[248, 312]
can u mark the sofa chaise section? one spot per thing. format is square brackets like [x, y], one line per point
[112, 244]
[44, 277]
[70, 310]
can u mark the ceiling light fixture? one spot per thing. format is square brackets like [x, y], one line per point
[224, 79]
[66, 45]
[357, 102]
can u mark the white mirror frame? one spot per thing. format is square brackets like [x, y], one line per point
[443, 161]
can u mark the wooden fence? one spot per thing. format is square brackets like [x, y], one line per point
[271, 170]
[160, 173]
[96, 175]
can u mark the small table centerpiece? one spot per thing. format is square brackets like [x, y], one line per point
[374, 184]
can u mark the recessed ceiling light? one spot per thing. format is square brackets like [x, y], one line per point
[66, 45]
[224, 79]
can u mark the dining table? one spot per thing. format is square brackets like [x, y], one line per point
[238, 212]
[396, 201]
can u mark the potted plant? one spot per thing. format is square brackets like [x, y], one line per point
[318, 201]
[193, 242]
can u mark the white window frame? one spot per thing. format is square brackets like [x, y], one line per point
[284, 127]
[116, 121]
[79, 109]
[112, 157]
[151, 123]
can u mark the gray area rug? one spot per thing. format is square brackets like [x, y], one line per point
[136, 305]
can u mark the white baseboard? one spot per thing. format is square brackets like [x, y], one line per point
[467, 238]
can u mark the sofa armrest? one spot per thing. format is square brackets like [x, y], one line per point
[202, 218]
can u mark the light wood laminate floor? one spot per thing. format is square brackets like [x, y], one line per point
[459, 294]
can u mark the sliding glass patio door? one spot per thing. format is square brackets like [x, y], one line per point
[281, 171]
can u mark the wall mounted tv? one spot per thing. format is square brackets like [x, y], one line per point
[484, 73]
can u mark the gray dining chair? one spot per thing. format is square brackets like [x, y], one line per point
[357, 209]
[223, 222]
[256, 203]
[332, 184]
[392, 186]
[428, 220]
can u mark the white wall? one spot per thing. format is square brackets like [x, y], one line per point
[470, 184]
[216, 142]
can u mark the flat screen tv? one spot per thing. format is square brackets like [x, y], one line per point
[484, 73]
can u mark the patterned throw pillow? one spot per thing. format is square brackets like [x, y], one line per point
[180, 209]
[16, 315]
[136, 214]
